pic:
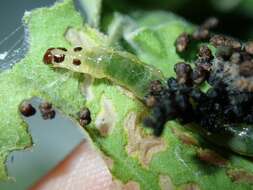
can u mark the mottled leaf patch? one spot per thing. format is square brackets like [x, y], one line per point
[211, 157]
[144, 146]
[106, 119]
[189, 186]
[165, 183]
[240, 175]
[86, 88]
[185, 137]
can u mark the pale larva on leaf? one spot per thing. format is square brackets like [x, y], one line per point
[122, 68]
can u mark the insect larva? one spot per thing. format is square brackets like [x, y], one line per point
[123, 68]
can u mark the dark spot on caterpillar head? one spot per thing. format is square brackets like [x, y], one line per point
[84, 117]
[62, 48]
[78, 49]
[58, 58]
[48, 56]
[27, 109]
[76, 62]
[46, 110]
[182, 42]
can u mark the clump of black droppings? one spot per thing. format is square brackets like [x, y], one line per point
[173, 103]
[213, 110]
[46, 110]
[229, 100]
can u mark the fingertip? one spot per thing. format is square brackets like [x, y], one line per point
[83, 169]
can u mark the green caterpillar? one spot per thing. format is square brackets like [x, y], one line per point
[122, 68]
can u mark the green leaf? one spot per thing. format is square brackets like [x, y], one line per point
[152, 36]
[92, 9]
[148, 162]
[31, 77]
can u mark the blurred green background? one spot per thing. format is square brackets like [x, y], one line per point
[236, 16]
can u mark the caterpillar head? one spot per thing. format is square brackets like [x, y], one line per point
[56, 56]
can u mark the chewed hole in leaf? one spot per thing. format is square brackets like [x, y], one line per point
[240, 175]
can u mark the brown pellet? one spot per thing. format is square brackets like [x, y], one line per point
[223, 52]
[205, 53]
[84, 117]
[150, 101]
[76, 62]
[48, 114]
[155, 87]
[249, 47]
[222, 40]
[199, 75]
[182, 42]
[210, 23]
[245, 56]
[27, 109]
[200, 34]
[183, 72]
[47, 111]
[45, 105]
[246, 69]
[206, 66]
[76, 49]
[235, 58]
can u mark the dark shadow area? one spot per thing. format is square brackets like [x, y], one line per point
[234, 21]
